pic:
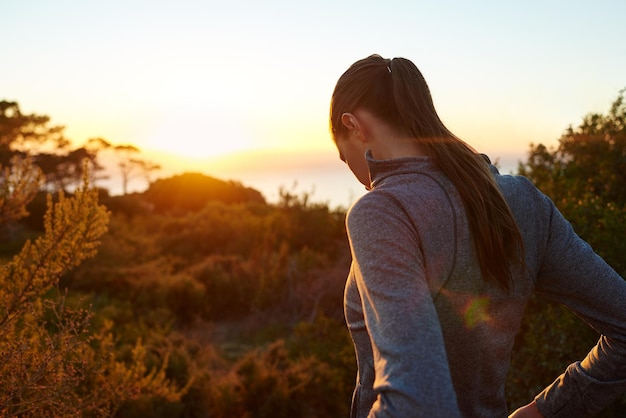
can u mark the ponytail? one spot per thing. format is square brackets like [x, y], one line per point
[497, 239]
[396, 91]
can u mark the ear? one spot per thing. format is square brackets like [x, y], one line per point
[351, 122]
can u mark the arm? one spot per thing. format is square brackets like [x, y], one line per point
[411, 369]
[572, 274]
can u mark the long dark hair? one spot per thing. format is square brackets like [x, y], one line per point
[396, 92]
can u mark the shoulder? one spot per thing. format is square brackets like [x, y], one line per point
[372, 205]
[522, 195]
[377, 213]
[409, 203]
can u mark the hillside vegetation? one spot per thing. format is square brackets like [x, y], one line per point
[197, 298]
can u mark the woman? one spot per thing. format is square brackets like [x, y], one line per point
[446, 253]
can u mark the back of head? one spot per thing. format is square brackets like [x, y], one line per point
[392, 89]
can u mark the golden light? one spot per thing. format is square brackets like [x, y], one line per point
[197, 136]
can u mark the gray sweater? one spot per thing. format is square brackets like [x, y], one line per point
[433, 339]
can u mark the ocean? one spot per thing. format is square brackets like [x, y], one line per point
[322, 177]
[324, 180]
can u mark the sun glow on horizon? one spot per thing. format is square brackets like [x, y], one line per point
[197, 137]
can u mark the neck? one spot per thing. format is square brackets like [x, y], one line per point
[384, 141]
[394, 147]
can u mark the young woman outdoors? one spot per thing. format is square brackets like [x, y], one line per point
[445, 255]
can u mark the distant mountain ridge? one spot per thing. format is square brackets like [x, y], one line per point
[192, 191]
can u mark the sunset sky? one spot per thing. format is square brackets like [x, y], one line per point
[200, 79]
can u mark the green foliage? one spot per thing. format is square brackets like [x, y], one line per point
[42, 370]
[269, 382]
[52, 362]
[327, 340]
[208, 301]
[19, 184]
[130, 206]
[585, 177]
[175, 279]
[550, 339]
[589, 160]
[221, 262]
[153, 322]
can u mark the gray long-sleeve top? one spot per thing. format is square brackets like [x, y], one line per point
[433, 339]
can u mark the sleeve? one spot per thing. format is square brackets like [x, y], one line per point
[412, 375]
[571, 273]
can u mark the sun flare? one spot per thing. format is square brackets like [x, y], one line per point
[198, 138]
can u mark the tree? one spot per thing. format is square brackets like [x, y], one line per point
[31, 135]
[65, 170]
[146, 168]
[130, 166]
[125, 163]
[21, 133]
[590, 159]
[94, 147]
[584, 176]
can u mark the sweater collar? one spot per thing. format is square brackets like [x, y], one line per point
[382, 169]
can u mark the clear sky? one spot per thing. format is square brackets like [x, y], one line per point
[204, 78]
